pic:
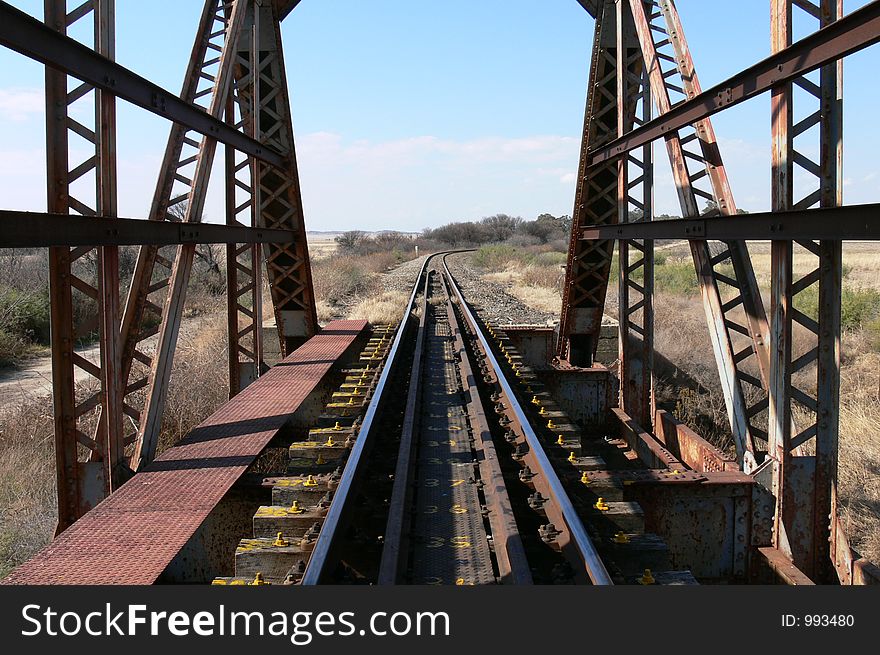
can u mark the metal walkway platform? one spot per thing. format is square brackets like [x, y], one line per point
[133, 536]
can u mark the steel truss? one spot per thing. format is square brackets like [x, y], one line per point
[782, 404]
[237, 69]
[805, 382]
[89, 189]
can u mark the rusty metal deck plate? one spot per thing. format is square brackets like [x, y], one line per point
[132, 536]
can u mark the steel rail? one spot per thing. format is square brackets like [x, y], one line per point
[513, 564]
[592, 562]
[338, 513]
[394, 549]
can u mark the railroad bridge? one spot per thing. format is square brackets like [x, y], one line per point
[446, 449]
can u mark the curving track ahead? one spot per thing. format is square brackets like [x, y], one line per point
[451, 519]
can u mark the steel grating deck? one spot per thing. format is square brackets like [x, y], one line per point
[132, 536]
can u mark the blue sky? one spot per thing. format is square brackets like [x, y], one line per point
[412, 113]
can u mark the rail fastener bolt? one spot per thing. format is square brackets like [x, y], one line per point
[601, 505]
[647, 578]
[280, 541]
[548, 533]
[526, 474]
[258, 580]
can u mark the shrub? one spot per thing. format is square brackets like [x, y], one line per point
[497, 257]
[678, 278]
[858, 307]
[336, 277]
[24, 324]
[542, 276]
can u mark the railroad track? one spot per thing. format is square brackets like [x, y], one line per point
[443, 459]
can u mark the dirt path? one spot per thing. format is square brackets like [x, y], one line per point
[33, 379]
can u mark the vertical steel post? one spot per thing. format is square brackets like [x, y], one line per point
[112, 435]
[589, 262]
[277, 189]
[243, 261]
[805, 485]
[636, 257]
[85, 275]
[734, 311]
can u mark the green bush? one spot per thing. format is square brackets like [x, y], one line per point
[858, 307]
[551, 258]
[676, 277]
[24, 323]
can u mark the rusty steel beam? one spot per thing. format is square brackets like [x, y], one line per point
[90, 274]
[805, 372]
[160, 372]
[589, 263]
[854, 32]
[849, 222]
[175, 186]
[42, 230]
[635, 195]
[783, 567]
[277, 194]
[112, 435]
[244, 262]
[28, 36]
[734, 312]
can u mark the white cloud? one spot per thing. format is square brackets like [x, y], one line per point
[414, 182]
[19, 104]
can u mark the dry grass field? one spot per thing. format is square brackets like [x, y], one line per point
[532, 274]
[352, 285]
[346, 285]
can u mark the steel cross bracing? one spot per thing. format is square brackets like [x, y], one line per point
[89, 189]
[228, 35]
[805, 376]
[231, 35]
[736, 318]
[595, 203]
[635, 256]
[243, 261]
[278, 197]
[181, 194]
[734, 310]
